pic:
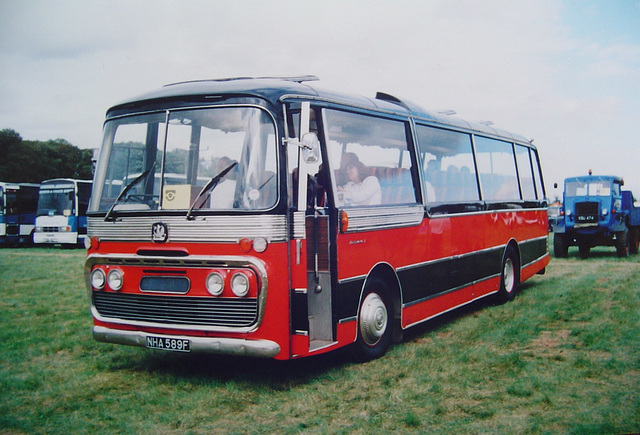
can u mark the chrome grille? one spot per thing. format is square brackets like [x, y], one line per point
[226, 312]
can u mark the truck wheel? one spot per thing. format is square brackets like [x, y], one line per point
[510, 277]
[622, 248]
[584, 250]
[634, 239]
[374, 323]
[560, 246]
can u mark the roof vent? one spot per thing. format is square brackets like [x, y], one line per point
[447, 112]
[391, 99]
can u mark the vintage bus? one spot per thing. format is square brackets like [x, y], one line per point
[62, 212]
[328, 220]
[18, 203]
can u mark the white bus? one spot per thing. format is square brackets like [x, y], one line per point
[62, 212]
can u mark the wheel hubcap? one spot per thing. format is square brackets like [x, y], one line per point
[509, 275]
[373, 319]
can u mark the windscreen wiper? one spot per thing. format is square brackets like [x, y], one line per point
[209, 188]
[129, 186]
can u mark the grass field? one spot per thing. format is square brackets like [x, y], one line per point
[564, 357]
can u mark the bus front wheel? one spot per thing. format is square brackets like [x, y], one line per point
[374, 324]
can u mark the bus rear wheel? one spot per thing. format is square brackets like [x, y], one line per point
[510, 276]
[374, 323]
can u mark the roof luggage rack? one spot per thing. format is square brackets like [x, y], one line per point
[297, 79]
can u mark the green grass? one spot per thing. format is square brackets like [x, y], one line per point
[564, 357]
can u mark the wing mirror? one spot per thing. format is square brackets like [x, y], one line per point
[310, 147]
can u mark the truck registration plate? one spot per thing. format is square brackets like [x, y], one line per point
[168, 343]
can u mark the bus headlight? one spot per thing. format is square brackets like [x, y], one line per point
[604, 211]
[114, 279]
[98, 279]
[240, 285]
[215, 284]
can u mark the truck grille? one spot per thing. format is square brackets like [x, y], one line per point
[586, 212]
[177, 310]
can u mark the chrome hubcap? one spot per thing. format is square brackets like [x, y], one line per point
[373, 319]
[508, 275]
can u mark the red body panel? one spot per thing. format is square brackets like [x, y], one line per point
[435, 238]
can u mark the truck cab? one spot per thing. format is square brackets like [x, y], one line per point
[593, 215]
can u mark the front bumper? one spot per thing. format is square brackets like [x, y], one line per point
[215, 345]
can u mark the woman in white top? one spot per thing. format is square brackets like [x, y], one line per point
[361, 188]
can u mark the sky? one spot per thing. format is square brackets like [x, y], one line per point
[565, 73]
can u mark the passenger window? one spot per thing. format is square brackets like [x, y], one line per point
[447, 165]
[369, 158]
[496, 166]
[525, 173]
[537, 175]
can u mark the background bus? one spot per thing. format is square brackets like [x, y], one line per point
[18, 204]
[62, 212]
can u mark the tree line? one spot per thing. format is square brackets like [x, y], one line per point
[26, 161]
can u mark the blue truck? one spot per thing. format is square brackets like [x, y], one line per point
[597, 212]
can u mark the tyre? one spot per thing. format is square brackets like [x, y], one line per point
[634, 240]
[510, 276]
[375, 320]
[584, 250]
[560, 246]
[622, 247]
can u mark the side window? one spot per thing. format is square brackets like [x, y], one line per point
[447, 165]
[523, 159]
[369, 159]
[537, 174]
[496, 166]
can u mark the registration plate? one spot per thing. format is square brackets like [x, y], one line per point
[168, 343]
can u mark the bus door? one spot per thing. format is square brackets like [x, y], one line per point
[311, 205]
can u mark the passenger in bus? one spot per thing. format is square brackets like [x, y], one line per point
[223, 194]
[429, 178]
[361, 188]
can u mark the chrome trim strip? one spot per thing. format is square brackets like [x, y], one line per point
[531, 263]
[449, 310]
[204, 229]
[348, 319]
[474, 213]
[183, 262]
[451, 257]
[215, 345]
[372, 218]
[451, 290]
